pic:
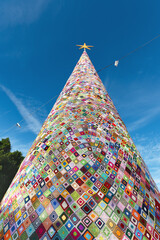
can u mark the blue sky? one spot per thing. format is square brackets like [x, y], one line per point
[38, 53]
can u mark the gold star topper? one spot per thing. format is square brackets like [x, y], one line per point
[84, 46]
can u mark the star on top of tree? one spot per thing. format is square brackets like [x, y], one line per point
[84, 46]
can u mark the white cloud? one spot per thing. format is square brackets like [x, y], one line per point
[144, 120]
[138, 104]
[17, 145]
[24, 148]
[35, 106]
[32, 122]
[149, 148]
[14, 12]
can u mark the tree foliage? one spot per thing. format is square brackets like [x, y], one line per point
[9, 164]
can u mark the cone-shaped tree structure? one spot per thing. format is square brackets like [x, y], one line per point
[83, 177]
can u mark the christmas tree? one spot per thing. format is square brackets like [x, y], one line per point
[83, 177]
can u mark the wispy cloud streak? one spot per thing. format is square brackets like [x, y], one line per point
[143, 121]
[138, 106]
[13, 12]
[149, 148]
[33, 124]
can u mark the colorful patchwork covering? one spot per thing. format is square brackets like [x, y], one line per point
[83, 177]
